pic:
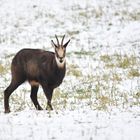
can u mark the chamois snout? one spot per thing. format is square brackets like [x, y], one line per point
[61, 59]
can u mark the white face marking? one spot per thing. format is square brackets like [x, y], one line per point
[60, 64]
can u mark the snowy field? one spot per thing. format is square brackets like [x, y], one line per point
[99, 98]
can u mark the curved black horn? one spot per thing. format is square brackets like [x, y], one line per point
[62, 40]
[57, 40]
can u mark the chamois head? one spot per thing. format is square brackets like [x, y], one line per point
[60, 51]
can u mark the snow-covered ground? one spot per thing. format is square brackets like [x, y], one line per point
[67, 125]
[100, 96]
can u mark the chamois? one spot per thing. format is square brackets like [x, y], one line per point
[38, 67]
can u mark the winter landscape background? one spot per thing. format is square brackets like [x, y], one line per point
[99, 98]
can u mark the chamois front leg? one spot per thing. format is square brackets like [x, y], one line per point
[49, 97]
[48, 93]
[34, 90]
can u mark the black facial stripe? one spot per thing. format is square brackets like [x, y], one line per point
[56, 53]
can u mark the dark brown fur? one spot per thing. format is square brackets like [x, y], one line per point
[39, 68]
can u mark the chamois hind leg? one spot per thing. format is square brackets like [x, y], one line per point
[34, 90]
[13, 85]
[48, 93]
[17, 79]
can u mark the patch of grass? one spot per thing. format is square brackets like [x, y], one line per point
[83, 94]
[133, 73]
[60, 99]
[74, 70]
[126, 61]
[105, 77]
[71, 33]
[138, 94]
[83, 53]
[119, 61]
[116, 77]
[76, 73]
[110, 65]
[105, 58]
[103, 102]
[108, 60]
[135, 16]
[111, 77]
[136, 98]
[1, 69]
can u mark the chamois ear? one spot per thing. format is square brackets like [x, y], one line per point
[53, 44]
[65, 45]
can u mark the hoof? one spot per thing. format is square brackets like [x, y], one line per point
[49, 108]
[7, 111]
[39, 108]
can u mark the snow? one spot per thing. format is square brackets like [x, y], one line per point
[71, 125]
[95, 27]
